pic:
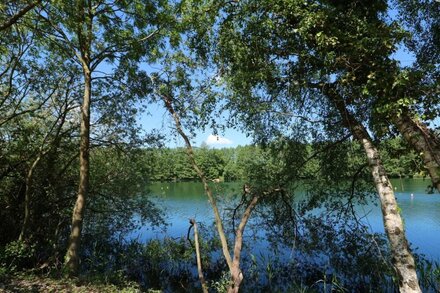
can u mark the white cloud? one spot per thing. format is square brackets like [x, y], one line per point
[216, 139]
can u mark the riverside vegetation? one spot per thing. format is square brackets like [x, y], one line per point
[315, 84]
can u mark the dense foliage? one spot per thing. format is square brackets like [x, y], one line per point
[236, 164]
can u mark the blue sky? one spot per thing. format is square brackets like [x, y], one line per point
[159, 119]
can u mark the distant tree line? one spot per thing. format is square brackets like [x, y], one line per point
[236, 164]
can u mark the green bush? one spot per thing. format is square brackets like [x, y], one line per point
[17, 255]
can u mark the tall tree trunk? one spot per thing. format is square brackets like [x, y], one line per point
[402, 257]
[424, 141]
[72, 255]
[27, 198]
[237, 275]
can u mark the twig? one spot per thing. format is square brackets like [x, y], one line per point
[199, 260]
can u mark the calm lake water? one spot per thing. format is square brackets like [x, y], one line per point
[421, 211]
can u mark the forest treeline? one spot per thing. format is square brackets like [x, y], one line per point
[233, 164]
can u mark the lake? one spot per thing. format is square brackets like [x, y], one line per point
[421, 211]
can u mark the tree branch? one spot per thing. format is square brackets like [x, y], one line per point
[11, 21]
[191, 156]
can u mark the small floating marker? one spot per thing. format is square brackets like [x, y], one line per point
[412, 194]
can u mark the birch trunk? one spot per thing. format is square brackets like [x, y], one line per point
[402, 257]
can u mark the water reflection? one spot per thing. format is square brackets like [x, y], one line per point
[421, 211]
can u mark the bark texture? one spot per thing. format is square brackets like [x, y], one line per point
[402, 257]
[424, 141]
[72, 255]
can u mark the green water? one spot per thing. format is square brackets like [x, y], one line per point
[421, 211]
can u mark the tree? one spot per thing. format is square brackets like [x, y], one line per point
[322, 54]
[403, 259]
[185, 86]
[424, 141]
[89, 33]
[233, 262]
[423, 43]
[410, 99]
[50, 140]
[37, 99]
